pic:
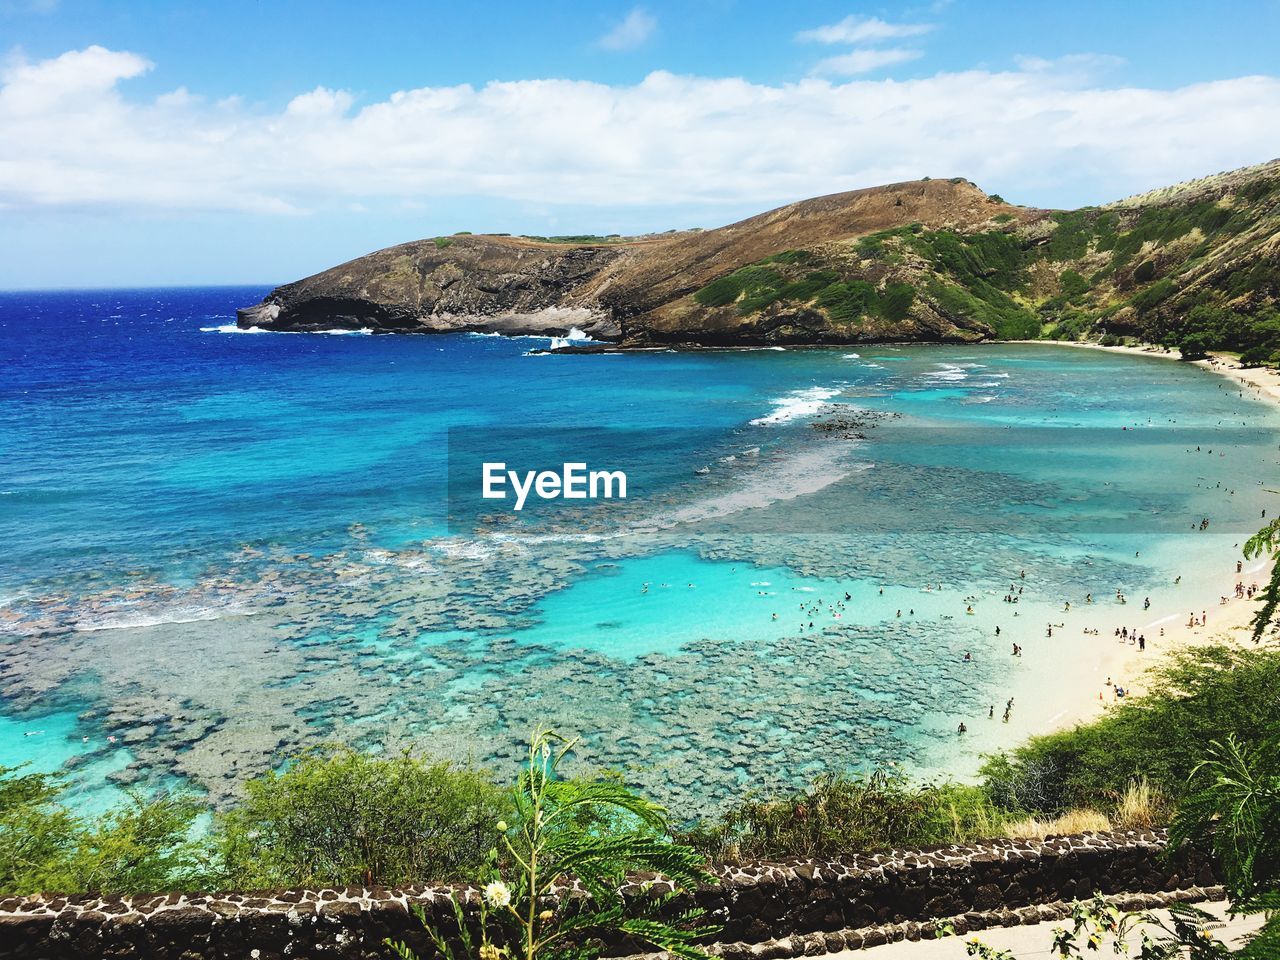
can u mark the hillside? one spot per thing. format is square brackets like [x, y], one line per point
[1197, 264]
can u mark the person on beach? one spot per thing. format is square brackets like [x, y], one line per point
[962, 729]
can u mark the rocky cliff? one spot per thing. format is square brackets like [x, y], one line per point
[926, 260]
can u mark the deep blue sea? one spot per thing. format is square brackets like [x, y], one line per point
[221, 547]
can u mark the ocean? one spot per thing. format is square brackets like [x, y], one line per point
[222, 547]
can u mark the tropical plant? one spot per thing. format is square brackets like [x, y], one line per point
[1266, 540]
[584, 834]
[1235, 812]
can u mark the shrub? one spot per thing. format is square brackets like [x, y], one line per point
[841, 813]
[1198, 696]
[144, 845]
[895, 302]
[340, 817]
[1154, 295]
[751, 280]
[1072, 285]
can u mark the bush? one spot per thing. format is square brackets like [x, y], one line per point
[750, 280]
[341, 817]
[896, 301]
[841, 813]
[1153, 296]
[142, 846]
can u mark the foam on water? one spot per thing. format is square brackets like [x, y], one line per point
[797, 404]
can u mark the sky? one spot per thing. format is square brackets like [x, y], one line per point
[150, 144]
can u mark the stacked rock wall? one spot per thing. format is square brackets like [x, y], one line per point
[768, 910]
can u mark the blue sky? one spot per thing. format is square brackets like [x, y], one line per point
[155, 143]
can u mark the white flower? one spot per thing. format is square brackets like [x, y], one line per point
[497, 894]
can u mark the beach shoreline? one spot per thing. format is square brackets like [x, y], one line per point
[1228, 622]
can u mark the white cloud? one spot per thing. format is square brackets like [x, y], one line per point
[320, 102]
[854, 29]
[64, 80]
[71, 137]
[864, 61]
[635, 29]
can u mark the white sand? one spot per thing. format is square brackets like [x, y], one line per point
[1228, 623]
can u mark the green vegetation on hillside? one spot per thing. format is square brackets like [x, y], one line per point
[144, 845]
[1199, 273]
[1198, 696]
[755, 287]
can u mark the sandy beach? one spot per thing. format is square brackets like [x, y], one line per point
[1228, 622]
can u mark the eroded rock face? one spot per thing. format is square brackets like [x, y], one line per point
[485, 284]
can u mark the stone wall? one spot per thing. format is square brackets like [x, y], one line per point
[768, 910]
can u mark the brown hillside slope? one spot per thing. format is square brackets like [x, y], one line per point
[632, 291]
[1196, 265]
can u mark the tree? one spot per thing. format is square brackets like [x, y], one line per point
[1195, 346]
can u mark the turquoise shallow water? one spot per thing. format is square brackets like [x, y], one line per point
[224, 547]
